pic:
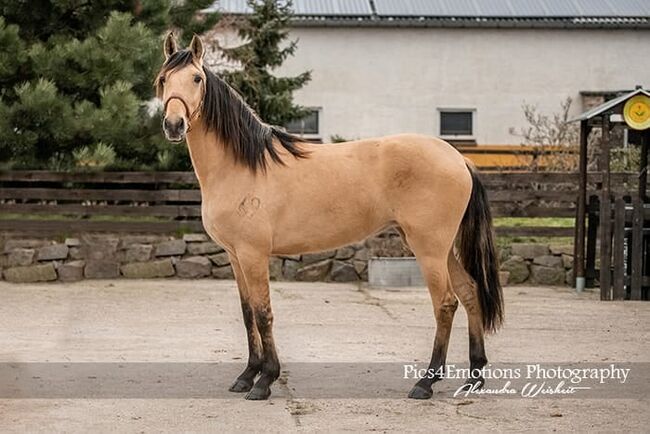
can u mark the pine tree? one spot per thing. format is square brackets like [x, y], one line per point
[77, 75]
[265, 30]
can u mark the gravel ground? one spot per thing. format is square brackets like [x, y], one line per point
[340, 344]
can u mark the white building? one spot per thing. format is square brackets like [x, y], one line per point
[459, 69]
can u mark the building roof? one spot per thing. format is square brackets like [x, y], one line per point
[322, 8]
[463, 13]
[598, 110]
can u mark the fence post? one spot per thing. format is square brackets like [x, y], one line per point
[605, 216]
[637, 249]
[579, 240]
[619, 250]
[592, 235]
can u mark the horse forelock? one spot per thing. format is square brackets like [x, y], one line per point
[226, 113]
[178, 60]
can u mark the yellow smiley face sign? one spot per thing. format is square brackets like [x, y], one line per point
[636, 112]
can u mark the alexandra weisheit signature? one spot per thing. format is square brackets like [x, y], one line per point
[529, 390]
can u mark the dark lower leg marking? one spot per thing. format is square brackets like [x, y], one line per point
[477, 359]
[270, 369]
[444, 320]
[245, 380]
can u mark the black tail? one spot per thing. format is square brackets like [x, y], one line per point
[478, 254]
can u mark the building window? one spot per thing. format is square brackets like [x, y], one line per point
[456, 122]
[306, 125]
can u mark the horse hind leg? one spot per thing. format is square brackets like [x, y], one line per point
[466, 290]
[445, 304]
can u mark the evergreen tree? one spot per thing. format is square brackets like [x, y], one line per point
[265, 31]
[76, 76]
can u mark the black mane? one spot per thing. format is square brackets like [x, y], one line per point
[226, 113]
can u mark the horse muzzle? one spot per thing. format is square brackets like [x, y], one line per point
[175, 129]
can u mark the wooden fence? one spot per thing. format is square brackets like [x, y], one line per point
[509, 157]
[629, 271]
[159, 202]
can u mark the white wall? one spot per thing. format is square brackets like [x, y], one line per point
[377, 81]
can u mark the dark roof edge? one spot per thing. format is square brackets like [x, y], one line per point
[463, 22]
[608, 105]
[606, 23]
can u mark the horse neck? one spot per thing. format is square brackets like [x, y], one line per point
[209, 155]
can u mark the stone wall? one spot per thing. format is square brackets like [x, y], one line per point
[537, 264]
[195, 256]
[188, 256]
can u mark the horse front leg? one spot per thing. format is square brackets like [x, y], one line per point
[255, 269]
[245, 380]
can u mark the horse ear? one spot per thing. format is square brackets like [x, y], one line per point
[196, 47]
[170, 46]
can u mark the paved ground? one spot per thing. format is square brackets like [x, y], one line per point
[199, 321]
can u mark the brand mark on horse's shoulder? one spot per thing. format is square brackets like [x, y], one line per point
[248, 206]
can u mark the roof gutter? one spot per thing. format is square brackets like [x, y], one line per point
[463, 22]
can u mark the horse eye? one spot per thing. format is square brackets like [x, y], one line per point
[197, 79]
[162, 80]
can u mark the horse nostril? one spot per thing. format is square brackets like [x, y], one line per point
[175, 127]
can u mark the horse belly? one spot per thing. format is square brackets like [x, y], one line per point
[326, 228]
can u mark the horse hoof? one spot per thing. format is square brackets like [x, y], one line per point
[476, 383]
[419, 392]
[258, 394]
[240, 386]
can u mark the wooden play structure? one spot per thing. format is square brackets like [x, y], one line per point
[617, 216]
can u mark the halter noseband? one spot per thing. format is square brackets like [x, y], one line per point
[190, 115]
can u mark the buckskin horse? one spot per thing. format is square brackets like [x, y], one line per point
[266, 192]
